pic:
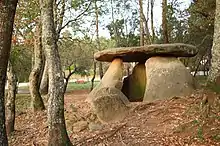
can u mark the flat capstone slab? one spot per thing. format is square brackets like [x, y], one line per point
[142, 53]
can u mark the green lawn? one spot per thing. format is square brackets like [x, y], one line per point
[76, 86]
[22, 102]
[202, 80]
[71, 86]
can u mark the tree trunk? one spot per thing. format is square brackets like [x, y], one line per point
[10, 100]
[101, 74]
[114, 25]
[97, 37]
[152, 20]
[44, 80]
[164, 21]
[214, 75]
[141, 23]
[66, 78]
[94, 74]
[35, 75]
[7, 13]
[57, 127]
[146, 19]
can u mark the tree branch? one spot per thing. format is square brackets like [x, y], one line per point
[70, 21]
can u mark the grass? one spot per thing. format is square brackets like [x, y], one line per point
[72, 86]
[22, 102]
[82, 86]
[202, 80]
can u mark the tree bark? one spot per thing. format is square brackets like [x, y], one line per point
[152, 20]
[214, 75]
[97, 37]
[141, 23]
[94, 74]
[101, 74]
[164, 21]
[57, 127]
[66, 78]
[44, 80]
[10, 100]
[146, 19]
[7, 13]
[114, 25]
[35, 75]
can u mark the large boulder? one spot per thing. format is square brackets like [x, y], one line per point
[167, 77]
[142, 53]
[134, 85]
[109, 104]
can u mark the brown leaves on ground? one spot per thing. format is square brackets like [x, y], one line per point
[193, 120]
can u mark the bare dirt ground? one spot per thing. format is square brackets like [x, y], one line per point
[179, 121]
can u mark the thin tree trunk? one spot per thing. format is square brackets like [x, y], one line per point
[146, 19]
[35, 75]
[7, 13]
[214, 74]
[97, 37]
[152, 20]
[44, 80]
[101, 74]
[66, 78]
[94, 74]
[125, 23]
[164, 21]
[10, 100]
[128, 69]
[57, 127]
[60, 19]
[114, 26]
[141, 23]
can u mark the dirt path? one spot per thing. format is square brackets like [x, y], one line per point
[172, 122]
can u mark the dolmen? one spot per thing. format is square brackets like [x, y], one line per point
[158, 74]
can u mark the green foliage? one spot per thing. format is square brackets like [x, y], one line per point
[200, 133]
[176, 23]
[201, 28]
[78, 52]
[21, 61]
[216, 137]
[117, 33]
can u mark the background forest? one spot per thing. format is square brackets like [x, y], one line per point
[78, 39]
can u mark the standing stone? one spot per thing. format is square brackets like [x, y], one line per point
[112, 78]
[114, 74]
[134, 85]
[167, 77]
[106, 99]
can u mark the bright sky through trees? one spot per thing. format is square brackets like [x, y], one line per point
[157, 15]
[106, 19]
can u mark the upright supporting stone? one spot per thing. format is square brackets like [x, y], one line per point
[114, 74]
[134, 85]
[167, 77]
[106, 99]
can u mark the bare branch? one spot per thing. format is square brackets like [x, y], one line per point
[81, 14]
